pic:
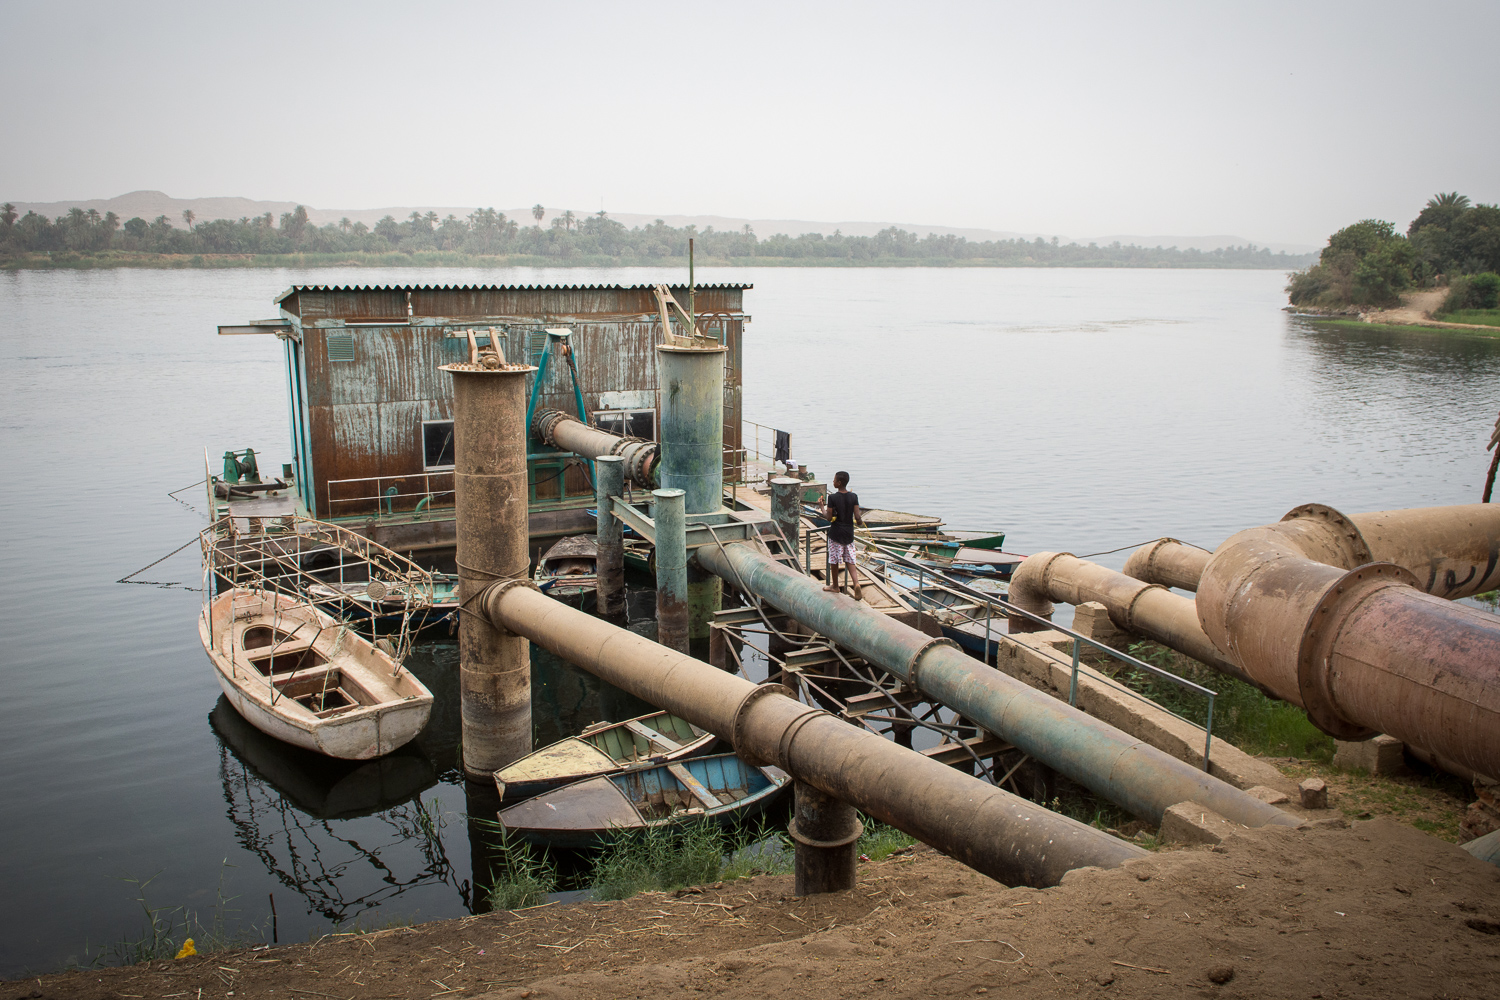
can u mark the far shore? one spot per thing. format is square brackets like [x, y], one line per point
[69, 261]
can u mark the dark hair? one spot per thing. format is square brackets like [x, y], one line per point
[840, 479]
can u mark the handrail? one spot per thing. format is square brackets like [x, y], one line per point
[998, 603]
[385, 502]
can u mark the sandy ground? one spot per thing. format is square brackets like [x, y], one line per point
[1416, 309]
[1376, 910]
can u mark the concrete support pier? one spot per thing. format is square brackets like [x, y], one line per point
[489, 472]
[826, 832]
[671, 570]
[609, 482]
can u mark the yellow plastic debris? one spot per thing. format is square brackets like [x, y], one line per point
[188, 951]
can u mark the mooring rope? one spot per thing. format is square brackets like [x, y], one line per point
[127, 577]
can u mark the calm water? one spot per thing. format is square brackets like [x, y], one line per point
[1081, 410]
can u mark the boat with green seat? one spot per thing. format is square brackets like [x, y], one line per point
[601, 749]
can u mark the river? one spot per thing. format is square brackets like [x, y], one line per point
[1076, 409]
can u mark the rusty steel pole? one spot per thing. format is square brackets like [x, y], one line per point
[671, 570]
[491, 499]
[826, 832]
[609, 483]
[786, 510]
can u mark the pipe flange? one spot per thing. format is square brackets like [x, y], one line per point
[789, 735]
[1129, 613]
[1348, 533]
[806, 841]
[496, 589]
[1323, 627]
[544, 422]
[739, 738]
[916, 658]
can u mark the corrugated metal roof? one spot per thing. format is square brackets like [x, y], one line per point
[497, 288]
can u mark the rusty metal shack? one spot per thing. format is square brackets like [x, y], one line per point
[371, 414]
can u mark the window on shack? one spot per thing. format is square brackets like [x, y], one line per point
[627, 423]
[437, 445]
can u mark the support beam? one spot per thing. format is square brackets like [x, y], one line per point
[490, 483]
[826, 832]
[609, 482]
[671, 570]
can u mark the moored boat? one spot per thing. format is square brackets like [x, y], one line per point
[605, 748]
[719, 789]
[569, 568]
[302, 676]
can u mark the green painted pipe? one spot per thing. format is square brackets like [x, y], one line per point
[671, 570]
[1093, 753]
[692, 425]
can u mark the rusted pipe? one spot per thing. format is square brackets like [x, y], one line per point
[609, 483]
[1145, 608]
[558, 429]
[1093, 753]
[786, 511]
[1168, 562]
[990, 830]
[826, 832]
[671, 570]
[1363, 650]
[490, 482]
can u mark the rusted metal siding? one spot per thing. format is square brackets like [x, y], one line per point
[365, 415]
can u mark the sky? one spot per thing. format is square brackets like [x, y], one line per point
[1280, 122]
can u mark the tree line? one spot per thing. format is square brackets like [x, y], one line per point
[1451, 242]
[486, 232]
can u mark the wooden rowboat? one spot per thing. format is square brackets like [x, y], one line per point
[570, 568]
[605, 748]
[300, 675]
[717, 789]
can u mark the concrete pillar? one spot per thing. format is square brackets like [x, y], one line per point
[609, 482]
[786, 510]
[826, 832]
[490, 487]
[671, 570]
[692, 453]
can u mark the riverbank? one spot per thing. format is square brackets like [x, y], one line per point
[70, 261]
[1416, 314]
[1376, 910]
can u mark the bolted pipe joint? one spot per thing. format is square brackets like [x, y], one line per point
[1168, 562]
[826, 832]
[563, 431]
[1028, 591]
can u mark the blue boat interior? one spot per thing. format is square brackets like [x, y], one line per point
[657, 793]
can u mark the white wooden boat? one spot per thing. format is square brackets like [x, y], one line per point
[302, 676]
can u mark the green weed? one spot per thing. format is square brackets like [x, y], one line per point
[523, 875]
[880, 841]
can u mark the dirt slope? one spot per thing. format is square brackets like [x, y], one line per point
[1379, 910]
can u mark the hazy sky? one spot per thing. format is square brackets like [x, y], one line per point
[1275, 121]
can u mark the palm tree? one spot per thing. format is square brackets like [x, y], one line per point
[188, 215]
[537, 211]
[1450, 200]
[568, 219]
[344, 224]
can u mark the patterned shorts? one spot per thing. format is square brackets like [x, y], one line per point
[839, 552]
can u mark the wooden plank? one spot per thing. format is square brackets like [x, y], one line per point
[652, 735]
[692, 784]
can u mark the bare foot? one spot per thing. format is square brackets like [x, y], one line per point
[832, 590]
[857, 595]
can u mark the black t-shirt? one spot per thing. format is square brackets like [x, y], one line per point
[844, 506]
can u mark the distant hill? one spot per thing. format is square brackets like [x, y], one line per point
[150, 204]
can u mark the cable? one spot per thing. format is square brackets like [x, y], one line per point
[1136, 545]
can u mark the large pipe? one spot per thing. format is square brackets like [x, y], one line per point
[990, 830]
[1148, 609]
[558, 429]
[1453, 551]
[1117, 766]
[1168, 562]
[1360, 647]
[489, 472]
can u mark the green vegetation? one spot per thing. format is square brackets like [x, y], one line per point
[1243, 715]
[1370, 264]
[523, 876]
[880, 841]
[1426, 330]
[1480, 317]
[169, 927]
[487, 238]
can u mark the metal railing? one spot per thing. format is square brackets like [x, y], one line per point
[754, 448]
[994, 604]
[387, 496]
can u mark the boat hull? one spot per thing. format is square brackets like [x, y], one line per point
[399, 710]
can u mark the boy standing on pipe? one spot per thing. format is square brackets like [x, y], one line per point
[842, 510]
